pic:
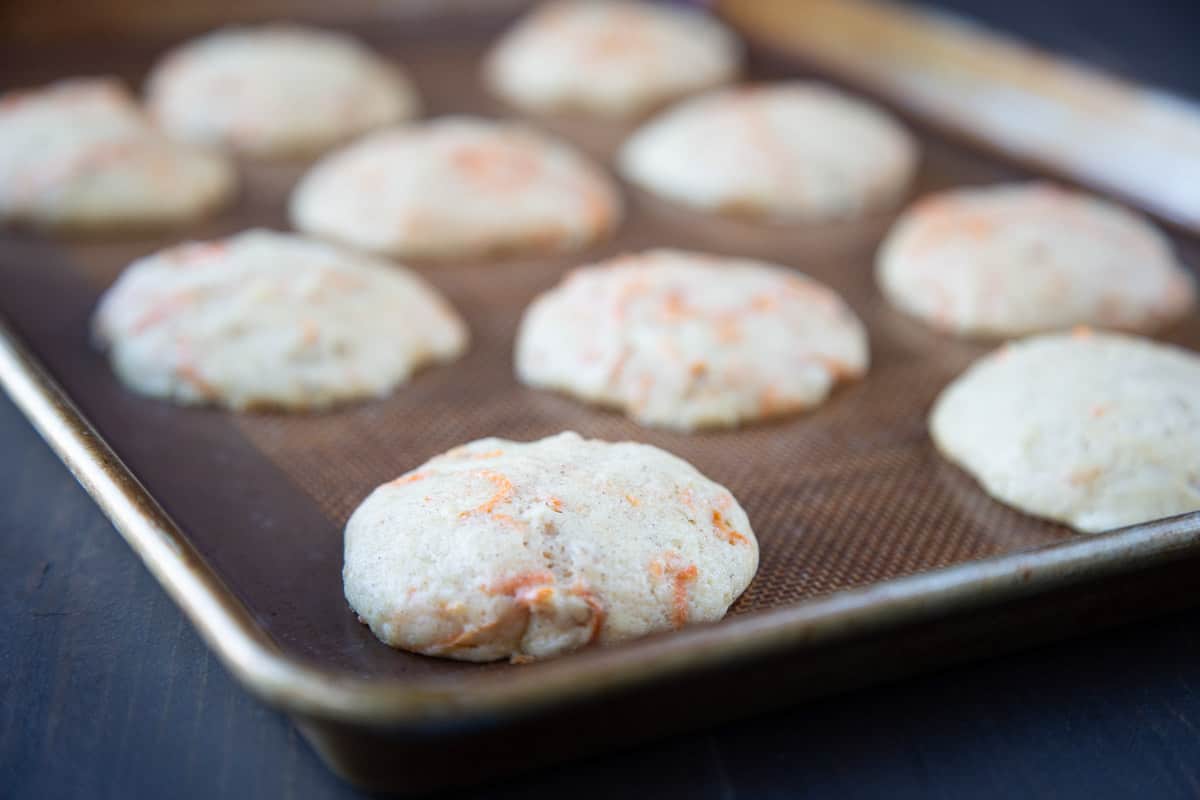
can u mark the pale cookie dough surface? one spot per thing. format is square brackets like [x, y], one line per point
[457, 187]
[1094, 430]
[1015, 259]
[276, 90]
[79, 155]
[788, 151]
[266, 319]
[684, 340]
[610, 58]
[501, 549]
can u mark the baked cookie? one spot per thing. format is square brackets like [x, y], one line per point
[276, 90]
[272, 320]
[609, 58]
[1024, 258]
[79, 155]
[454, 188]
[1096, 430]
[684, 340]
[501, 549]
[789, 151]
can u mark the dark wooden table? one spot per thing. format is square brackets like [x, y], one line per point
[106, 691]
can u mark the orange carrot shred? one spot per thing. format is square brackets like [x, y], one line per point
[725, 530]
[523, 580]
[1082, 477]
[683, 577]
[599, 613]
[411, 477]
[504, 490]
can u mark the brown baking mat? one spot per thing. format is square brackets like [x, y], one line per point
[848, 495]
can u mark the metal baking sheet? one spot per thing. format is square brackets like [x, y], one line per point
[877, 557]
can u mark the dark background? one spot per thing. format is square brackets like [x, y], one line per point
[106, 691]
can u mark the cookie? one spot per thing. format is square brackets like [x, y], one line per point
[1015, 259]
[276, 91]
[266, 319]
[457, 187]
[683, 340]
[1096, 430]
[79, 155]
[501, 549]
[610, 59]
[789, 151]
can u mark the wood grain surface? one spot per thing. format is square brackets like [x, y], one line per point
[107, 692]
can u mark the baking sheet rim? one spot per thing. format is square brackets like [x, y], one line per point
[299, 687]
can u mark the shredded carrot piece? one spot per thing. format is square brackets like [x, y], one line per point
[555, 504]
[977, 227]
[839, 369]
[520, 581]
[771, 402]
[1081, 477]
[533, 595]
[686, 497]
[192, 375]
[504, 490]
[309, 332]
[505, 519]
[597, 209]
[674, 305]
[197, 252]
[599, 613]
[466, 636]
[163, 310]
[465, 453]
[497, 168]
[633, 501]
[728, 331]
[725, 530]
[411, 477]
[682, 579]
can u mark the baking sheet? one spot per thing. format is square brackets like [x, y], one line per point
[847, 496]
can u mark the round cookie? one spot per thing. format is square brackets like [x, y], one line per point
[276, 90]
[1023, 258]
[1095, 430]
[501, 549]
[79, 155]
[456, 187]
[789, 151]
[608, 58]
[684, 340]
[272, 320]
